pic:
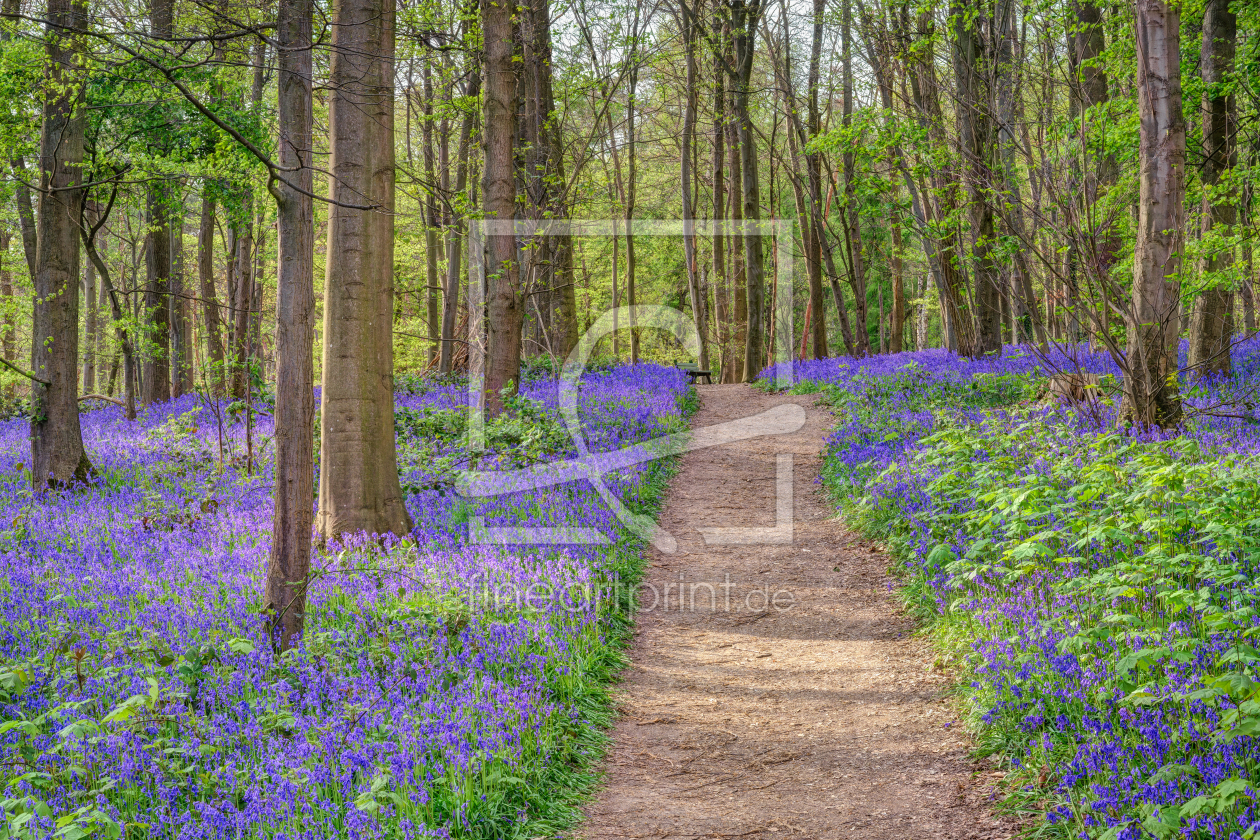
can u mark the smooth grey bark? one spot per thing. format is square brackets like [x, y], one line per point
[288, 568]
[1151, 396]
[359, 489]
[57, 454]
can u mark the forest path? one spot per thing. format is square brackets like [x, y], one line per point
[822, 720]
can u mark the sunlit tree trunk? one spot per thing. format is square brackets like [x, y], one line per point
[288, 569]
[1151, 395]
[359, 489]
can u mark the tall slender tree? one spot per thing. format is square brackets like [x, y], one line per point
[288, 569]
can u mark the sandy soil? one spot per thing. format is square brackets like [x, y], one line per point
[825, 719]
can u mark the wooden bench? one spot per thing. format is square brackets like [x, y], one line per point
[695, 373]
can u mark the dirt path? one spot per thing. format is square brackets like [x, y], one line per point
[821, 720]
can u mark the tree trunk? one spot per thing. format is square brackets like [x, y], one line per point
[1212, 325]
[209, 299]
[157, 301]
[241, 278]
[721, 298]
[744, 22]
[8, 326]
[1025, 313]
[498, 187]
[851, 210]
[288, 568]
[975, 130]
[631, 189]
[736, 245]
[157, 372]
[432, 292]
[688, 28]
[89, 326]
[813, 166]
[454, 251]
[125, 343]
[941, 242]
[181, 323]
[1151, 394]
[358, 478]
[896, 333]
[550, 259]
[57, 455]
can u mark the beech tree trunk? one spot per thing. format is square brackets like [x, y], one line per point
[1151, 395]
[288, 568]
[504, 313]
[209, 298]
[689, 25]
[550, 256]
[721, 296]
[454, 250]
[432, 292]
[157, 302]
[57, 454]
[358, 478]
[744, 20]
[157, 371]
[241, 278]
[89, 323]
[8, 325]
[1212, 324]
[181, 323]
[975, 129]
[897, 326]
[851, 210]
[739, 277]
[813, 165]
